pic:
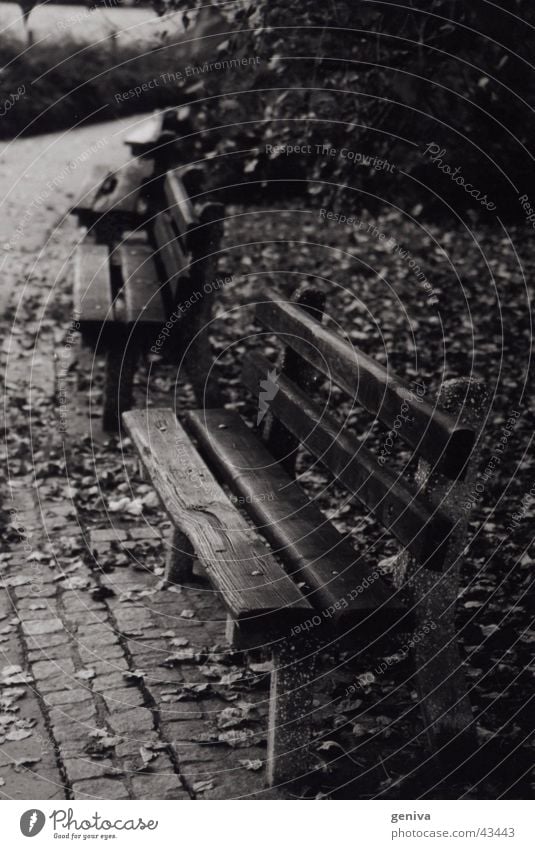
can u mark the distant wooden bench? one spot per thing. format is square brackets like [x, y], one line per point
[114, 200]
[312, 584]
[156, 134]
[133, 277]
[111, 202]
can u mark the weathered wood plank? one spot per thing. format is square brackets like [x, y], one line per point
[180, 206]
[438, 437]
[204, 242]
[144, 293]
[121, 358]
[118, 195]
[280, 441]
[253, 584]
[92, 290]
[418, 526]
[291, 706]
[338, 582]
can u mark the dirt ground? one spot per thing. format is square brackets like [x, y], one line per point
[113, 687]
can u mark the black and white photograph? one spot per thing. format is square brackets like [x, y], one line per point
[267, 491]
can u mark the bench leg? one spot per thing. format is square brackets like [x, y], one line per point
[443, 696]
[199, 358]
[290, 708]
[440, 679]
[121, 359]
[196, 327]
[179, 559]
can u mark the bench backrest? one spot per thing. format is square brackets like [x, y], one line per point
[181, 235]
[312, 352]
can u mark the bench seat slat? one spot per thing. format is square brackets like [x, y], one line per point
[173, 259]
[180, 206]
[432, 433]
[253, 584]
[143, 291]
[417, 525]
[298, 531]
[92, 291]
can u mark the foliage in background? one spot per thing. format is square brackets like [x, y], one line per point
[345, 77]
[380, 79]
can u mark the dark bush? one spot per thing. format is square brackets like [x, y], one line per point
[386, 81]
[67, 83]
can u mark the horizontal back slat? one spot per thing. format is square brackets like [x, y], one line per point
[145, 297]
[433, 434]
[170, 251]
[180, 206]
[418, 526]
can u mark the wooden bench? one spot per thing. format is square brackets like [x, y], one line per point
[112, 201]
[311, 584]
[156, 135]
[142, 278]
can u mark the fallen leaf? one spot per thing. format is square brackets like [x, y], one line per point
[489, 630]
[236, 738]
[132, 506]
[147, 756]
[260, 668]
[179, 642]
[253, 765]
[85, 674]
[18, 734]
[202, 786]
[24, 762]
[136, 675]
[7, 671]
